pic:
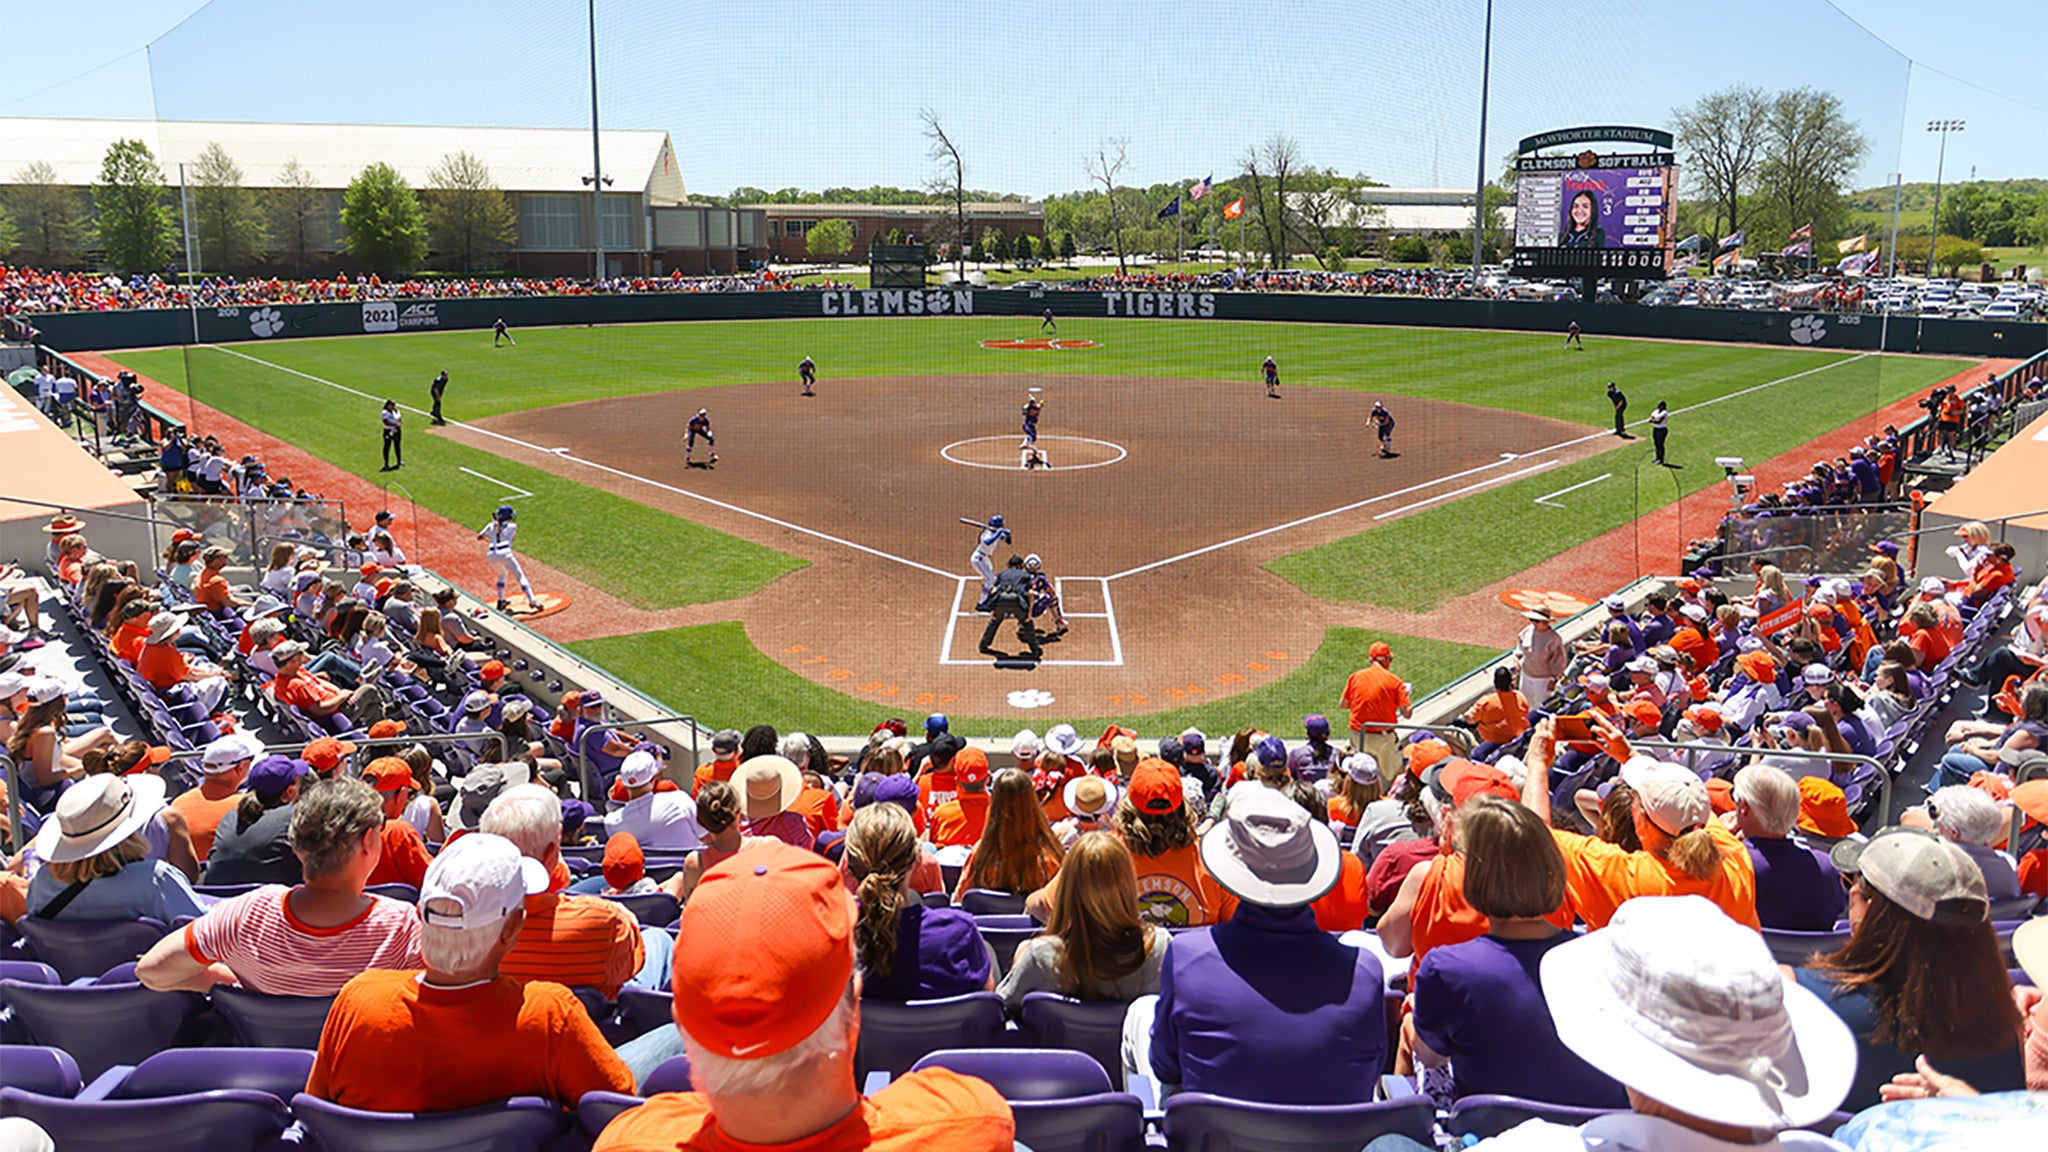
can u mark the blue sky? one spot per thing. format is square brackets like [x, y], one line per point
[813, 93]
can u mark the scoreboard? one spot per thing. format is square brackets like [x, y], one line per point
[1593, 214]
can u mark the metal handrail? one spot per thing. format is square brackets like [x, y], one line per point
[583, 757]
[367, 744]
[1691, 749]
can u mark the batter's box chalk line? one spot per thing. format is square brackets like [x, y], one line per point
[967, 590]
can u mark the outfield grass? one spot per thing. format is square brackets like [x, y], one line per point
[712, 672]
[645, 557]
[1432, 556]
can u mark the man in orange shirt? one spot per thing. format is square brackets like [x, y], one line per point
[725, 760]
[768, 1009]
[462, 1033]
[580, 941]
[210, 587]
[959, 821]
[164, 665]
[1376, 698]
[405, 859]
[936, 784]
[223, 767]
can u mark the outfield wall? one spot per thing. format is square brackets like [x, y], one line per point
[100, 331]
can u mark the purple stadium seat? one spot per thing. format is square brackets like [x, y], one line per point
[671, 1075]
[521, 1124]
[280, 1072]
[1198, 1122]
[1050, 1020]
[102, 1025]
[262, 1021]
[598, 1109]
[223, 1120]
[1796, 948]
[642, 1010]
[989, 902]
[1488, 1115]
[1004, 934]
[936, 900]
[896, 1034]
[120, 974]
[85, 948]
[43, 1071]
[28, 972]
[1062, 1100]
[654, 909]
[403, 893]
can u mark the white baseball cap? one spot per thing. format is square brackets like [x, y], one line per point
[1362, 767]
[1933, 586]
[1024, 745]
[1615, 604]
[11, 683]
[1674, 798]
[1817, 674]
[226, 752]
[1693, 612]
[43, 689]
[484, 876]
[639, 769]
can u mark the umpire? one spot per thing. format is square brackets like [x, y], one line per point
[1010, 599]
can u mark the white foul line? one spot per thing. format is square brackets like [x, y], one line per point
[517, 491]
[1489, 482]
[1353, 507]
[1545, 498]
[569, 456]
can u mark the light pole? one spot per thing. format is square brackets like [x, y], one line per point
[1944, 127]
[597, 179]
[1479, 190]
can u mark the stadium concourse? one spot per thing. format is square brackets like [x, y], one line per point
[307, 822]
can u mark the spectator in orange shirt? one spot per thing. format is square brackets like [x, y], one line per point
[1376, 698]
[1175, 889]
[2030, 796]
[959, 821]
[580, 941]
[462, 1032]
[223, 767]
[164, 664]
[936, 783]
[405, 859]
[768, 1011]
[210, 587]
[816, 803]
[130, 629]
[725, 759]
[1500, 717]
[1343, 907]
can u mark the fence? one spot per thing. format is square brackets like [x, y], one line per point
[1831, 539]
[248, 529]
[1921, 439]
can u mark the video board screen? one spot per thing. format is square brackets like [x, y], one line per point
[1594, 215]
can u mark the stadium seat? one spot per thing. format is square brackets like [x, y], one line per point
[642, 1010]
[1198, 1122]
[521, 1124]
[280, 1072]
[262, 1021]
[80, 949]
[219, 1120]
[989, 902]
[28, 972]
[1004, 934]
[596, 1111]
[895, 1034]
[42, 1070]
[102, 1025]
[671, 1075]
[654, 909]
[1049, 1020]
[1796, 948]
[403, 893]
[1062, 1101]
[1488, 1115]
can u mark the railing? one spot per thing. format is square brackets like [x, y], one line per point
[247, 524]
[364, 747]
[1920, 438]
[583, 757]
[1692, 750]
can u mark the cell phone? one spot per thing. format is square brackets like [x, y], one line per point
[1577, 726]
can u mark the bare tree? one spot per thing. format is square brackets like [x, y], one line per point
[1269, 167]
[298, 215]
[1724, 136]
[1105, 168]
[943, 150]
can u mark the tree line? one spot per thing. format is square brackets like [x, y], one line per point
[136, 220]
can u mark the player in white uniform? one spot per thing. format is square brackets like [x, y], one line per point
[992, 534]
[501, 531]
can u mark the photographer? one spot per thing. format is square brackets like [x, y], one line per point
[1949, 410]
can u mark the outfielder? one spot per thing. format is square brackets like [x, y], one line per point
[808, 373]
[983, 559]
[1045, 594]
[700, 425]
[501, 531]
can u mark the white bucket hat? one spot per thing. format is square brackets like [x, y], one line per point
[97, 813]
[1064, 740]
[1268, 851]
[165, 625]
[1687, 1007]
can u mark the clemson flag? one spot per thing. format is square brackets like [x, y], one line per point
[1234, 209]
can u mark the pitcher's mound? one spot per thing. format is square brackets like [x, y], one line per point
[1039, 344]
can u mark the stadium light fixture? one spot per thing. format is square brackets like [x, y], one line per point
[1942, 128]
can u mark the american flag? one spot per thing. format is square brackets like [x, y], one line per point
[1803, 232]
[1802, 248]
[1199, 189]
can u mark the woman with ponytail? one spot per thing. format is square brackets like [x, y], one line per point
[1685, 850]
[907, 951]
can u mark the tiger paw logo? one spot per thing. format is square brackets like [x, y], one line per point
[1808, 329]
[1031, 698]
[266, 322]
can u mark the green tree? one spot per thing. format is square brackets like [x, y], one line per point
[469, 220]
[137, 231]
[298, 216]
[1067, 249]
[381, 222]
[1723, 136]
[830, 240]
[225, 215]
[1811, 148]
[1408, 250]
[1020, 250]
[995, 245]
[49, 217]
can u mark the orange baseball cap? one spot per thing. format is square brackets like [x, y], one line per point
[1155, 787]
[152, 755]
[765, 951]
[327, 753]
[1823, 809]
[387, 774]
[492, 670]
[1705, 717]
[1464, 779]
[1721, 795]
[624, 863]
[1379, 651]
[1643, 712]
[1423, 754]
[970, 766]
[2032, 798]
[385, 729]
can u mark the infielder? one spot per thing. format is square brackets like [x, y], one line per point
[1047, 322]
[1383, 426]
[501, 531]
[1045, 594]
[983, 560]
[700, 425]
[1272, 371]
[807, 372]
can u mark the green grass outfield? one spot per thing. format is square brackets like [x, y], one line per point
[712, 672]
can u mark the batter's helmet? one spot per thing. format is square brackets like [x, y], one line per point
[1032, 562]
[996, 521]
[504, 512]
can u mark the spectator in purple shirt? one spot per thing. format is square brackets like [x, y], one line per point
[1265, 1006]
[1479, 1005]
[1797, 889]
[906, 950]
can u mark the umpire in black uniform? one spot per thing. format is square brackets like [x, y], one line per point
[1010, 599]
